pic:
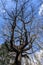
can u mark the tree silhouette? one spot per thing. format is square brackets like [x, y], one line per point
[20, 32]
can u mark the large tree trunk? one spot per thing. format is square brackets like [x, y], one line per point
[17, 60]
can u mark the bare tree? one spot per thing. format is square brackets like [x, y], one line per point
[20, 31]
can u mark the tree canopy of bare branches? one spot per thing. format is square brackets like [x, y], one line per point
[22, 28]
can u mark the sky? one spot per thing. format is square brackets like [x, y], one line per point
[41, 10]
[9, 6]
[39, 14]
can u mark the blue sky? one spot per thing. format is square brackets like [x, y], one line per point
[36, 6]
[8, 3]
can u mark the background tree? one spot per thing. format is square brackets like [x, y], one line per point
[22, 28]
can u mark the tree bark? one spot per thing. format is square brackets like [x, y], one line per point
[17, 60]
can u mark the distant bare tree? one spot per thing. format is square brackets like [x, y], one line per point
[20, 30]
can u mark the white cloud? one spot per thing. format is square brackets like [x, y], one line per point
[41, 10]
[2, 11]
